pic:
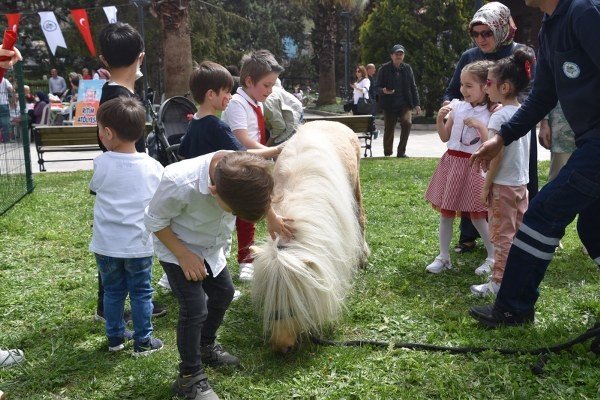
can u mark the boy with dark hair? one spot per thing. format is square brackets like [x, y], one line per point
[192, 215]
[244, 115]
[122, 51]
[124, 181]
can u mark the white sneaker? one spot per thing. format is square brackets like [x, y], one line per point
[163, 282]
[246, 272]
[11, 357]
[486, 289]
[485, 268]
[438, 265]
[236, 295]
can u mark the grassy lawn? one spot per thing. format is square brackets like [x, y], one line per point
[48, 294]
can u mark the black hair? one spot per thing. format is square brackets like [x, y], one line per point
[120, 44]
[516, 69]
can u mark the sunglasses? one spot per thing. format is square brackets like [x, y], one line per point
[470, 133]
[484, 34]
[489, 82]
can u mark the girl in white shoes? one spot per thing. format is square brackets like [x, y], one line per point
[505, 190]
[455, 188]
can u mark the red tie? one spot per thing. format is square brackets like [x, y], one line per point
[261, 123]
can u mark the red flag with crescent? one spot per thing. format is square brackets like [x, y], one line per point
[13, 21]
[82, 21]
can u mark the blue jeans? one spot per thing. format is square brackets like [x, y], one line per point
[576, 190]
[122, 276]
[199, 318]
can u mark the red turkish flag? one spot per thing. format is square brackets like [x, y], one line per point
[13, 21]
[81, 20]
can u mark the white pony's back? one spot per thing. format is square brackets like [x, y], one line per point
[301, 284]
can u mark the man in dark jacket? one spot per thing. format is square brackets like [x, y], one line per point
[397, 97]
[568, 70]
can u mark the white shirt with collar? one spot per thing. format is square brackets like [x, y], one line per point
[183, 202]
[240, 115]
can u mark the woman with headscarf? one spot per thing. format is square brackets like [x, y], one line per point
[41, 101]
[492, 30]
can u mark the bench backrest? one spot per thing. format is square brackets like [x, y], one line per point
[358, 123]
[66, 135]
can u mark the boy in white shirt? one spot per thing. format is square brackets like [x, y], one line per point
[245, 117]
[124, 182]
[192, 214]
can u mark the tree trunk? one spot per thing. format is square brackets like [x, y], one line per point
[174, 23]
[326, 20]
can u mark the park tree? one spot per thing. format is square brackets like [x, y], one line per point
[326, 16]
[174, 22]
[433, 33]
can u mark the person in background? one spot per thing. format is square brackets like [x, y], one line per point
[71, 95]
[283, 114]
[398, 96]
[41, 101]
[372, 75]
[85, 74]
[6, 94]
[56, 84]
[360, 88]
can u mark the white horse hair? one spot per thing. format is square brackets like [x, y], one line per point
[301, 284]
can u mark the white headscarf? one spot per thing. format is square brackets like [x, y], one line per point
[497, 16]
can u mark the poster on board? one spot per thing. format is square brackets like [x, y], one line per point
[88, 101]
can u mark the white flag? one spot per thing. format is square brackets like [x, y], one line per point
[111, 14]
[52, 31]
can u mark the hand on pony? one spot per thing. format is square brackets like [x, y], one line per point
[279, 226]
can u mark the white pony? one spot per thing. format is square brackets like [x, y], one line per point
[301, 284]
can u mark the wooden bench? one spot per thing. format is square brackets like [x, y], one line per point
[64, 139]
[362, 125]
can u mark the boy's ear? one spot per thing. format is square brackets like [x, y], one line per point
[109, 132]
[141, 56]
[212, 189]
[248, 82]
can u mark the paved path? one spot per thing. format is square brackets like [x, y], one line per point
[421, 143]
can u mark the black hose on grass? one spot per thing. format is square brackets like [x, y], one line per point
[537, 369]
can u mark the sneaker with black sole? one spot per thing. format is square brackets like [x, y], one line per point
[492, 317]
[159, 310]
[118, 343]
[215, 355]
[147, 347]
[194, 387]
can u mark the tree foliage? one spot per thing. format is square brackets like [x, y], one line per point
[433, 33]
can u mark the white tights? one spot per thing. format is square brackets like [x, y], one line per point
[446, 236]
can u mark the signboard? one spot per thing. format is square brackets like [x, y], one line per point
[88, 101]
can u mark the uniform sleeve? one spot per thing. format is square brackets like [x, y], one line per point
[235, 116]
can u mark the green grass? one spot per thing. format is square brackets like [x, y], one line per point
[48, 292]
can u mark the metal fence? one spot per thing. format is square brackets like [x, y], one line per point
[16, 178]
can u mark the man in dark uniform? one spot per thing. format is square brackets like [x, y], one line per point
[568, 70]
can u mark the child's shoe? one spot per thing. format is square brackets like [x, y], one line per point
[489, 288]
[485, 268]
[118, 343]
[438, 265]
[194, 387]
[146, 347]
[11, 357]
[215, 355]
[246, 272]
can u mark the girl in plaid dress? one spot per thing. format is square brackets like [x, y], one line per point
[455, 188]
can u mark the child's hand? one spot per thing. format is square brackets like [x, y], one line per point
[485, 196]
[444, 111]
[473, 123]
[279, 226]
[192, 266]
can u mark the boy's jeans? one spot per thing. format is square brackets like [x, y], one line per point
[199, 318]
[576, 190]
[120, 277]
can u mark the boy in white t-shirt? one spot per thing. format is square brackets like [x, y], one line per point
[505, 189]
[124, 181]
[244, 116]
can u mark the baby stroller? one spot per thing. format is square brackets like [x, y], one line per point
[171, 124]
